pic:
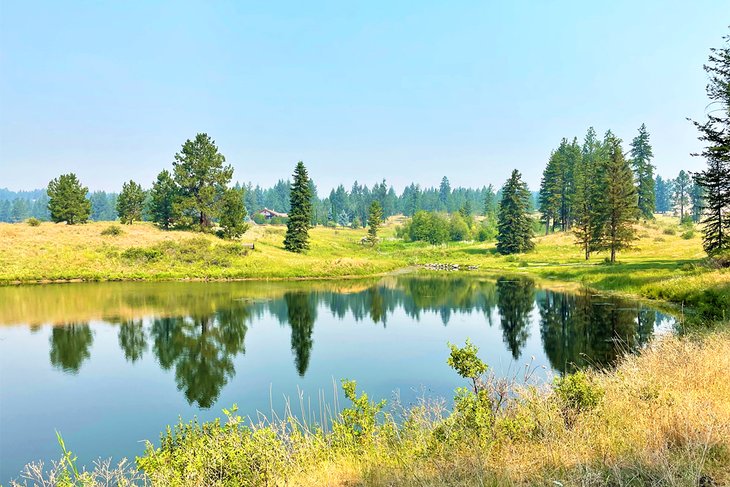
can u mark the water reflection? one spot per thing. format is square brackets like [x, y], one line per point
[197, 330]
[70, 346]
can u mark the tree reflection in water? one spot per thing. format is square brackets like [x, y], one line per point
[202, 341]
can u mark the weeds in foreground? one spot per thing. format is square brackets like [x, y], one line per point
[660, 418]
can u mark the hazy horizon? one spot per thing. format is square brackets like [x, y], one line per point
[409, 92]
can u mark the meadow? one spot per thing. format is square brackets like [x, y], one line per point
[667, 262]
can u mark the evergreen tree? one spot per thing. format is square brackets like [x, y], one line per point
[20, 210]
[663, 197]
[67, 200]
[201, 179]
[232, 214]
[444, 193]
[375, 219]
[697, 197]
[715, 132]
[681, 193]
[549, 196]
[6, 208]
[617, 207]
[300, 215]
[514, 223]
[641, 155]
[130, 203]
[586, 194]
[490, 202]
[162, 200]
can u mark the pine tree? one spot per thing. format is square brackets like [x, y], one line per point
[715, 132]
[201, 179]
[232, 214]
[681, 193]
[697, 200]
[549, 196]
[444, 194]
[130, 203]
[663, 197]
[617, 207]
[514, 223]
[586, 194]
[300, 214]
[375, 219]
[641, 155]
[67, 200]
[162, 200]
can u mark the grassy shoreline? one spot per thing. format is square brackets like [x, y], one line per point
[663, 266]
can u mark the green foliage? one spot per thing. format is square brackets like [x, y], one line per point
[458, 228]
[681, 193]
[163, 196]
[67, 200]
[33, 222]
[300, 214]
[466, 363]
[112, 230]
[201, 180]
[215, 454]
[715, 132]
[641, 155]
[617, 208]
[689, 234]
[487, 231]
[358, 422]
[577, 393]
[427, 227]
[356, 223]
[130, 203]
[514, 224]
[232, 214]
[375, 220]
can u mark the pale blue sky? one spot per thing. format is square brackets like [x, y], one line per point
[407, 90]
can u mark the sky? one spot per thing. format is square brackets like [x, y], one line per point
[409, 91]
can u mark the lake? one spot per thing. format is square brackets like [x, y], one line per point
[109, 365]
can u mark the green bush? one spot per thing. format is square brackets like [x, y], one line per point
[669, 231]
[688, 235]
[428, 227]
[112, 230]
[33, 222]
[458, 228]
[577, 393]
[487, 231]
[142, 254]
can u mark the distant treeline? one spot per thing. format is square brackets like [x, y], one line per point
[341, 207]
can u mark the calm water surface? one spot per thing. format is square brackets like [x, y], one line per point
[110, 364]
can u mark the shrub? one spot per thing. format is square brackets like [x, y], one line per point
[458, 228]
[142, 254]
[687, 222]
[688, 235]
[487, 231]
[33, 222]
[112, 230]
[466, 363]
[669, 231]
[428, 227]
[577, 393]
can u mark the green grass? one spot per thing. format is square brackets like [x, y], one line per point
[664, 264]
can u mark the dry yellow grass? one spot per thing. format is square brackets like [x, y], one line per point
[664, 420]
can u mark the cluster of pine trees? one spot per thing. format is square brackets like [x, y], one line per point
[597, 192]
[682, 196]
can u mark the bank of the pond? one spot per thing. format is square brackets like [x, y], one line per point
[659, 418]
[663, 265]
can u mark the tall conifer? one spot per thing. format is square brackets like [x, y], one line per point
[641, 155]
[300, 214]
[514, 223]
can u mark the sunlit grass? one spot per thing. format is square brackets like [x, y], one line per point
[662, 264]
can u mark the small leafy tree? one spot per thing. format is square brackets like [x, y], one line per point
[375, 219]
[67, 200]
[300, 215]
[514, 223]
[130, 203]
[466, 363]
[162, 200]
[233, 213]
